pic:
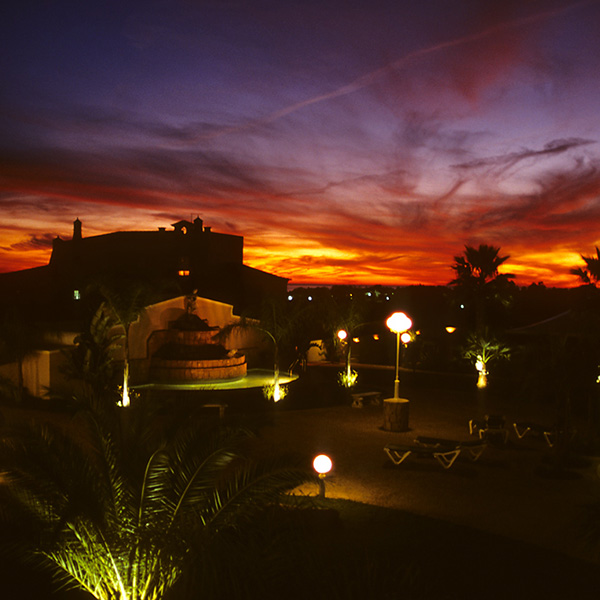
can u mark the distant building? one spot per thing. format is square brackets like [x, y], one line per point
[188, 261]
[190, 257]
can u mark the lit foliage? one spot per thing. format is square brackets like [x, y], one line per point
[483, 349]
[276, 324]
[124, 302]
[275, 391]
[124, 523]
[347, 378]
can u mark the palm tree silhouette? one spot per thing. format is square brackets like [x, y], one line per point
[591, 274]
[479, 281]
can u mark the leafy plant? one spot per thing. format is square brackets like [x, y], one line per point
[483, 349]
[347, 378]
[123, 512]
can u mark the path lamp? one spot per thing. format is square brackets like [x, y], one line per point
[322, 464]
[398, 323]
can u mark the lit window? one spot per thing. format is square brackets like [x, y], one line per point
[76, 295]
[184, 273]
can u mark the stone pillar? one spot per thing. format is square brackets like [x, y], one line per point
[395, 414]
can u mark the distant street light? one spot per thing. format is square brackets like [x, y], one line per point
[398, 323]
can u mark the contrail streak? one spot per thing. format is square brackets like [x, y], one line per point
[370, 78]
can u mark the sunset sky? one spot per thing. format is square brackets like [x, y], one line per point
[348, 141]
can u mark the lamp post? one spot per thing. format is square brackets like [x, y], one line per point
[398, 323]
[395, 410]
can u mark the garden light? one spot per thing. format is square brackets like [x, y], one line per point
[322, 464]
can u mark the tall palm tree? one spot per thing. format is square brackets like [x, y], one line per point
[478, 279]
[126, 517]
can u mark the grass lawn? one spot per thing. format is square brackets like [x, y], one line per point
[436, 559]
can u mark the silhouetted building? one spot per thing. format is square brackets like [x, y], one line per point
[190, 257]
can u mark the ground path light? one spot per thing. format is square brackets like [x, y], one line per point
[322, 464]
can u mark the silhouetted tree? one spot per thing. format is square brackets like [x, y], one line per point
[478, 280]
[591, 273]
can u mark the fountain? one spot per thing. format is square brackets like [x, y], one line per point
[187, 351]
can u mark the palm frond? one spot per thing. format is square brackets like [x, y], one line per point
[252, 486]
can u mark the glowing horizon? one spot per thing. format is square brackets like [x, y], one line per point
[330, 267]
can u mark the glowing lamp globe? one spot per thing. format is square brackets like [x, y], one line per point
[405, 337]
[398, 323]
[322, 464]
[342, 335]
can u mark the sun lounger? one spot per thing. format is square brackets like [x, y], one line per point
[398, 453]
[490, 426]
[474, 448]
[359, 399]
[549, 433]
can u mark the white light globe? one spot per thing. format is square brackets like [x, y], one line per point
[322, 464]
[398, 323]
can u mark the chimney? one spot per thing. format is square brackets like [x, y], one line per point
[76, 229]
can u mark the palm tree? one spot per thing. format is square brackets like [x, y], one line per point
[478, 279]
[347, 317]
[276, 324]
[126, 517]
[91, 361]
[484, 349]
[591, 274]
[124, 303]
